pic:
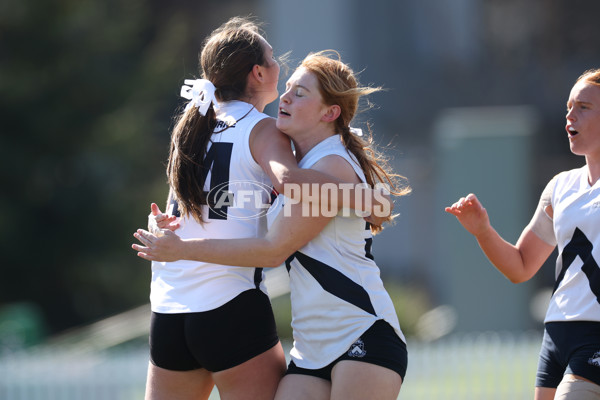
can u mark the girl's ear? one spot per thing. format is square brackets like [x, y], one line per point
[331, 113]
[257, 73]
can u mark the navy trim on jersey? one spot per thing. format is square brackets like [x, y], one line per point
[257, 277]
[175, 212]
[368, 244]
[334, 282]
[582, 247]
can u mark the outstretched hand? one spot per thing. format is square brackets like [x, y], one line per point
[167, 247]
[471, 214]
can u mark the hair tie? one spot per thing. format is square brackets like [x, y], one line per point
[356, 131]
[201, 94]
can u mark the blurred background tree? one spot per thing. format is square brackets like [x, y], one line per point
[88, 89]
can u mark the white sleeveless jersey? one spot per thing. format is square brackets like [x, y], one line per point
[336, 290]
[243, 196]
[576, 207]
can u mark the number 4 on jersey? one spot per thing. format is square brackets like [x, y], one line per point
[217, 160]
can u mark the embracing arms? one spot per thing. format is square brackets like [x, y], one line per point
[292, 229]
[272, 151]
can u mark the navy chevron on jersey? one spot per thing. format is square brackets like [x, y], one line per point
[336, 289]
[576, 207]
[239, 196]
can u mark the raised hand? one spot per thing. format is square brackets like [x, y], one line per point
[471, 214]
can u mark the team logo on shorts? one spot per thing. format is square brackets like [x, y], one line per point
[595, 360]
[357, 349]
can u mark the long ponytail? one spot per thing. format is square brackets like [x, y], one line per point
[228, 55]
[189, 143]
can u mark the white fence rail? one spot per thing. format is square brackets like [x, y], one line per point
[475, 366]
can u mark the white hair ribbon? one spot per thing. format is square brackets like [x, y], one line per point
[356, 131]
[201, 94]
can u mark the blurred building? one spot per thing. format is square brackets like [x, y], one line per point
[475, 103]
